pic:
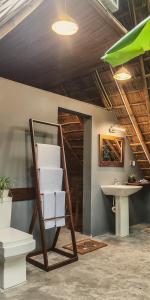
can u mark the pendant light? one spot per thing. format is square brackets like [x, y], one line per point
[122, 74]
[65, 25]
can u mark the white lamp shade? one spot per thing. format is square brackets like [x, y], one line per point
[65, 26]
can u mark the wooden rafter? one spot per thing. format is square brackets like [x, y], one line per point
[10, 25]
[132, 118]
[73, 131]
[70, 123]
[144, 75]
[73, 153]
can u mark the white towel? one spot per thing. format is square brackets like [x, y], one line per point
[60, 208]
[48, 156]
[48, 209]
[53, 205]
[50, 179]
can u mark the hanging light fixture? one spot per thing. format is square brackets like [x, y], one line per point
[122, 74]
[65, 25]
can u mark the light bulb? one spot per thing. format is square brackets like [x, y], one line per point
[122, 74]
[65, 26]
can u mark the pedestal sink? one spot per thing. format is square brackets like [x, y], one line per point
[121, 193]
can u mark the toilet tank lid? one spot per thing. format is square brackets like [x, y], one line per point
[6, 199]
[10, 236]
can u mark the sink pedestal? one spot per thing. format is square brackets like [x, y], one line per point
[121, 194]
[122, 216]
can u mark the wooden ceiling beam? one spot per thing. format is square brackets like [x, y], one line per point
[139, 123]
[101, 89]
[135, 144]
[143, 133]
[138, 152]
[16, 20]
[112, 21]
[147, 75]
[72, 151]
[142, 160]
[144, 76]
[147, 58]
[146, 133]
[138, 144]
[137, 103]
[132, 104]
[118, 106]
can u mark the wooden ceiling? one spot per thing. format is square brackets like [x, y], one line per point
[32, 54]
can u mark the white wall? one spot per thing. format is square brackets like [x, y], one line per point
[18, 103]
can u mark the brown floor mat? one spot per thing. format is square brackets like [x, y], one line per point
[86, 246]
[147, 229]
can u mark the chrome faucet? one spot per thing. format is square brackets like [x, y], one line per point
[116, 181]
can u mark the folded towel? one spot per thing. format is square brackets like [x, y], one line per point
[60, 203]
[60, 222]
[50, 179]
[48, 156]
[48, 209]
[53, 205]
[60, 208]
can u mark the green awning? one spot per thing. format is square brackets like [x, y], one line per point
[133, 44]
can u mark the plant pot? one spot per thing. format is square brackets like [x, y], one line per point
[4, 193]
[132, 180]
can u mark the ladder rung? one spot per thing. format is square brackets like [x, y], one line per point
[138, 152]
[139, 144]
[146, 58]
[132, 135]
[135, 144]
[142, 160]
[145, 168]
[147, 75]
[49, 219]
[146, 133]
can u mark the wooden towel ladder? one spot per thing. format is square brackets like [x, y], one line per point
[71, 257]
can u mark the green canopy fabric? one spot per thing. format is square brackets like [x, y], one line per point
[133, 44]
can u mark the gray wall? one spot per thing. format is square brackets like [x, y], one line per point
[19, 103]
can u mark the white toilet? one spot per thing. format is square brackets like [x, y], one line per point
[14, 246]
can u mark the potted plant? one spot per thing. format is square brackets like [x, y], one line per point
[132, 178]
[5, 185]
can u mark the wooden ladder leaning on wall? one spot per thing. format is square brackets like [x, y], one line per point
[38, 209]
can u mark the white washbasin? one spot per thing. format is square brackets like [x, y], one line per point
[121, 194]
[120, 190]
